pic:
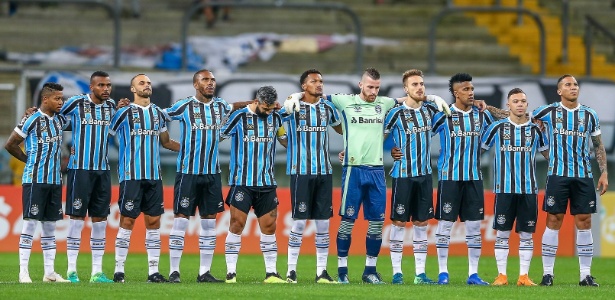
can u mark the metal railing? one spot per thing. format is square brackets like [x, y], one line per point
[277, 5]
[591, 23]
[431, 68]
[113, 10]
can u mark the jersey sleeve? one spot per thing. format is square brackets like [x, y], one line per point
[175, 111]
[389, 103]
[541, 113]
[230, 127]
[64, 121]
[162, 119]
[390, 120]
[26, 125]
[71, 105]
[488, 137]
[118, 119]
[334, 116]
[227, 108]
[594, 123]
[489, 119]
[543, 141]
[437, 122]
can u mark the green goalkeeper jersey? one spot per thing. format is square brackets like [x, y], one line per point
[363, 124]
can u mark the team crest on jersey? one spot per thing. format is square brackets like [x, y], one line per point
[550, 201]
[455, 122]
[501, 219]
[506, 135]
[378, 109]
[197, 114]
[531, 223]
[239, 197]
[250, 126]
[350, 211]
[184, 202]
[400, 210]
[34, 209]
[77, 203]
[409, 118]
[357, 108]
[302, 115]
[447, 208]
[129, 205]
[87, 109]
[136, 120]
[302, 207]
[559, 120]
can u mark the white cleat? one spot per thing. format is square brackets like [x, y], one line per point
[24, 277]
[54, 277]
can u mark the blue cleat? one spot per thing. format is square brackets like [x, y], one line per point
[475, 280]
[398, 278]
[443, 278]
[343, 279]
[373, 278]
[423, 279]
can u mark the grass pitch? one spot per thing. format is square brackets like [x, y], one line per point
[250, 273]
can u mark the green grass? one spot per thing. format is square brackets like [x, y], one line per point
[251, 273]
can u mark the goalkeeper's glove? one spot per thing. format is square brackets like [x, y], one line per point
[440, 103]
[292, 102]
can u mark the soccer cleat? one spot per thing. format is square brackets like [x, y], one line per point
[72, 276]
[54, 277]
[174, 277]
[231, 278]
[24, 277]
[156, 278]
[502, 279]
[343, 279]
[423, 279]
[398, 278]
[324, 278]
[100, 277]
[547, 280]
[443, 278]
[119, 277]
[525, 280]
[207, 277]
[291, 277]
[475, 280]
[373, 278]
[273, 278]
[589, 281]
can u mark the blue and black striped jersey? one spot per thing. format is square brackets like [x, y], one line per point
[138, 129]
[43, 141]
[90, 128]
[200, 130]
[308, 138]
[253, 142]
[569, 132]
[515, 148]
[411, 131]
[460, 135]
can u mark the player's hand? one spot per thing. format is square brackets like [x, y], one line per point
[440, 103]
[123, 102]
[341, 156]
[30, 111]
[396, 153]
[603, 183]
[292, 102]
[481, 104]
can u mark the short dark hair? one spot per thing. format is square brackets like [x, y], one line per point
[410, 73]
[133, 78]
[372, 73]
[514, 92]
[306, 74]
[194, 77]
[458, 78]
[50, 87]
[98, 74]
[559, 80]
[267, 94]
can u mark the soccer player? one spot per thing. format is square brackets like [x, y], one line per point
[89, 179]
[41, 182]
[411, 124]
[252, 132]
[570, 125]
[309, 167]
[516, 141]
[141, 128]
[198, 183]
[460, 185]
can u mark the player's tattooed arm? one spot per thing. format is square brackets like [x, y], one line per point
[497, 112]
[603, 181]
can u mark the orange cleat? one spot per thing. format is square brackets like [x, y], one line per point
[524, 280]
[502, 279]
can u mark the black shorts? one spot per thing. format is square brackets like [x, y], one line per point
[42, 202]
[463, 199]
[88, 191]
[412, 197]
[141, 196]
[520, 207]
[580, 191]
[204, 191]
[311, 197]
[262, 198]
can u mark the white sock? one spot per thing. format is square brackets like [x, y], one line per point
[176, 242]
[122, 242]
[98, 240]
[549, 249]
[152, 246]
[207, 244]
[322, 245]
[585, 250]
[342, 261]
[443, 239]
[269, 248]
[419, 243]
[474, 242]
[526, 250]
[73, 242]
[25, 243]
[48, 244]
[232, 245]
[396, 246]
[295, 239]
[501, 250]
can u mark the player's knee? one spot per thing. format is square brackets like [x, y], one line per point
[398, 223]
[299, 226]
[79, 218]
[444, 228]
[583, 222]
[322, 226]
[127, 223]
